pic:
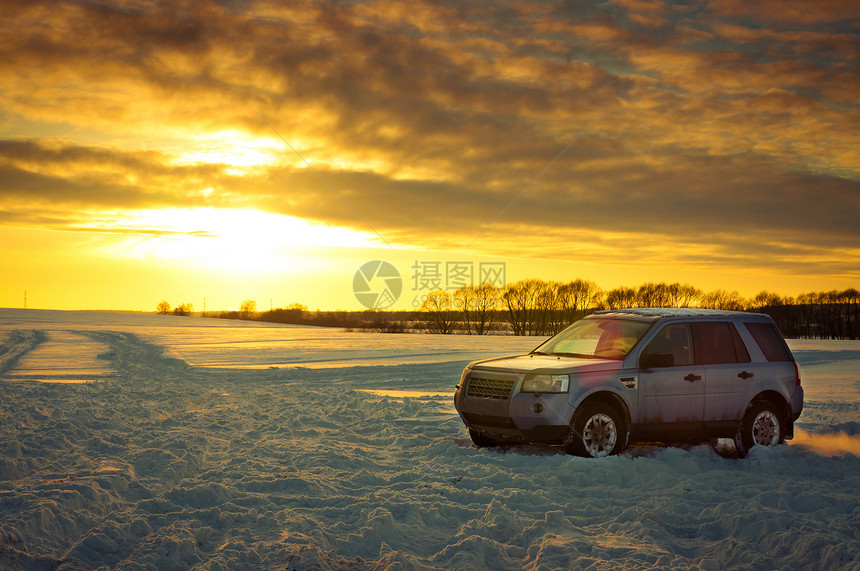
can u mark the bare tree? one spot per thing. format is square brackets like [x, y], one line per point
[464, 301]
[248, 309]
[851, 298]
[163, 307]
[722, 299]
[477, 305]
[654, 295]
[183, 309]
[620, 298]
[587, 295]
[546, 319]
[437, 313]
[488, 297]
[683, 295]
[520, 299]
[574, 300]
[765, 299]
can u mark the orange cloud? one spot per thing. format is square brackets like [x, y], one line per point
[431, 118]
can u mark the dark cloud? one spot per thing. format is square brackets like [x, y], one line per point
[93, 177]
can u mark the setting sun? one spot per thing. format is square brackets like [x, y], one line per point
[223, 239]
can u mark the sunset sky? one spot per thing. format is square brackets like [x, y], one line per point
[240, 150]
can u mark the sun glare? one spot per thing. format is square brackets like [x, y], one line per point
[233, 148]
[234, 239]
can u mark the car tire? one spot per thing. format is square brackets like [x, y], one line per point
[480, 440]
[762, 425]
[596, 430]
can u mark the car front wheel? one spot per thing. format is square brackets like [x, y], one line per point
[761, 426]
[595, 431]
[480, 440]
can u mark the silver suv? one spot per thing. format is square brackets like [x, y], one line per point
[639, 375]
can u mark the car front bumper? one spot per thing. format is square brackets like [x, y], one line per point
[521, 417]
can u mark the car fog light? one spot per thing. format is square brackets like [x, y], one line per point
[537, 407]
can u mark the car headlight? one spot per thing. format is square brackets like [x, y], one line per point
[545, 384]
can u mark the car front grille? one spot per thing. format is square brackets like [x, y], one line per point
[490, 388]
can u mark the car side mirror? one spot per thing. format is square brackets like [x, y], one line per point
[657, 360]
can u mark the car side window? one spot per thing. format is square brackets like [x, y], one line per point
[675, 340]
[719, 342]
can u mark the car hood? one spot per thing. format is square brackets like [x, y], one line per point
[548, 364]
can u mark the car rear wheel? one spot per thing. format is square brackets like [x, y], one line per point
[596, 430]
[762, 426]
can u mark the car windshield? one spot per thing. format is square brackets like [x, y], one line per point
[596, 338]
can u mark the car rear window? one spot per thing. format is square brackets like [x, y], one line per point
[769, 340]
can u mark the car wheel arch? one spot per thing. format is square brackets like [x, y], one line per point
[776, 399]
[611, 399]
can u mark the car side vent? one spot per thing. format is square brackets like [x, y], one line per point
[630, 382]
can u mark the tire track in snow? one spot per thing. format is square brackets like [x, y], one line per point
[19, 343]
[56, 356]
[137, 359]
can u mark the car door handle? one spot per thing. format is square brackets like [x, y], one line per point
[691, 377]
[744, 375]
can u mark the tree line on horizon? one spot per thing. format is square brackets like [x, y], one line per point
[539, 307]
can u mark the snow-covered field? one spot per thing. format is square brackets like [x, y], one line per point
[142, 441]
